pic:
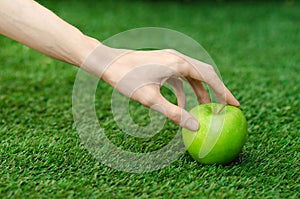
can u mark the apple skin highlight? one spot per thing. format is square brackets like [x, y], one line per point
[221, 135]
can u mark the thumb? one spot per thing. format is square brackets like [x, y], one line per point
[175, 113]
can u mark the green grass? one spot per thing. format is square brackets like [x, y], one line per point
[256, 47]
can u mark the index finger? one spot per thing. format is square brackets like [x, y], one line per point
[204, 72]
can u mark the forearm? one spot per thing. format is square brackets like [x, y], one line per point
[37, 27]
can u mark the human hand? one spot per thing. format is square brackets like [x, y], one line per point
[140, 74]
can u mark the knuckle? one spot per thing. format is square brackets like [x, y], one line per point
[211, 74]
[170, 50]
[181, 65]
[209, 66]
[173, 57]
[174, 114]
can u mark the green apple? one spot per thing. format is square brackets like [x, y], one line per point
[221, 135]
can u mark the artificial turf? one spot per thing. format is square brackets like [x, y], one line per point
[256, 48]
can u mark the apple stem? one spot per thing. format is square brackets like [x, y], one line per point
[223, 106]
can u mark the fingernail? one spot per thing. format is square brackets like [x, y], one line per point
[192, 124]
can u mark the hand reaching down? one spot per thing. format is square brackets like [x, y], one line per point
[140, 74]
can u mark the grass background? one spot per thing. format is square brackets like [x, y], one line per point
[256, 47]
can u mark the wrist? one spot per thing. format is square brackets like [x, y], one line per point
[86, 46]
[99, 58]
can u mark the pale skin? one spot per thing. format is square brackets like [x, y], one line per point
[35, 26]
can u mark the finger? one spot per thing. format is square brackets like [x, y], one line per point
[224, 95]
[212, 79]
[205, 72]
[199, 90]
[177, 86]
[175, 113]
[230, 99]
[150, 96]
